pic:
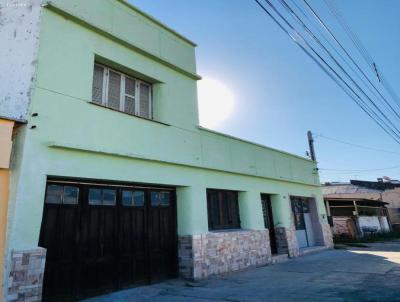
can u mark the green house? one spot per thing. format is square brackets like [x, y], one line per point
[114, 184]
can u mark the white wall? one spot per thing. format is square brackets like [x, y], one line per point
[19, 36]
[384, 224]
[370, 222]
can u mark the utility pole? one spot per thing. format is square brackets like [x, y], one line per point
[311, 145]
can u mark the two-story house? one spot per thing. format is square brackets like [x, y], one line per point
[113, 183]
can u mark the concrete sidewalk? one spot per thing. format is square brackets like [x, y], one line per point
[359, 274]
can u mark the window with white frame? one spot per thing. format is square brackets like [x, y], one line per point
[121, 92]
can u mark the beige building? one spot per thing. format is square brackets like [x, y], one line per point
[392, 197]
[6, 133]
[357, 209]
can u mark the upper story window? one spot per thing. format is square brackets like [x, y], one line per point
[121, 92]
[223, 209]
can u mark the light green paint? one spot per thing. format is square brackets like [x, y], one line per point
[250, 210]
[74, 138]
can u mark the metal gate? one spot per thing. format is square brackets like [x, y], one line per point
[303, 221]
[105, 237]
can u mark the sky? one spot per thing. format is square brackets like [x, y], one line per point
[273, 93]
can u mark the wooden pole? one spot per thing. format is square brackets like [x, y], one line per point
[311, 145]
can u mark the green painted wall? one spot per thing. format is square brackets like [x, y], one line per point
[74, 138]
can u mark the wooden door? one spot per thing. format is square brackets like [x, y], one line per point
[102, 238]
[133, 256]
[269, 221]
[59, 235]
[162, 234]
[98, 242]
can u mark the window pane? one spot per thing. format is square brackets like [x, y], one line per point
[114, 90]
[223, 210]
[127, 198]
[138, 198]
[70, 195]
[155, 199]
[95, 196]
[54, 194]
[299, 221]
[306, 206]
[97, 88]
[144, 100]
[164, 198]
[109, 197]
[160, 198]
[129, 105]
[130, 86]
[297, 205]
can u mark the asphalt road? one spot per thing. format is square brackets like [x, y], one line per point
[357, 274]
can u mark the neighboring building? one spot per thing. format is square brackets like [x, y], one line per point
[355, 210]
[390, 193]
[392, 198]
[114, 183]
[7, 127]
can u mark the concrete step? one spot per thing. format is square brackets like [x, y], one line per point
[312, 249]
[280, 258]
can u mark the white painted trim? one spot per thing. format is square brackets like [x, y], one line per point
[138, 82]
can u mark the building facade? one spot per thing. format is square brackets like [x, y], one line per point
[114, 183]
[356, 210]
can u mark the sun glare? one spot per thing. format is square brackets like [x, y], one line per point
[216, 102]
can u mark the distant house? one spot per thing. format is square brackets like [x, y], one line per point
[357, 208]
[390, 194]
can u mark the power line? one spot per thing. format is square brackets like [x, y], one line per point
[355, 145]
[362, 49]
[309, 32]
[322, 23]
[343, 84]
[360, 170]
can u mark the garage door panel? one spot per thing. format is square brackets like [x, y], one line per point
[162, 234]
[111, 238]
[133, 255]
[59, 235]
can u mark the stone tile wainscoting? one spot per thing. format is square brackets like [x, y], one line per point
[282, 244]
[220, 252]
[327, 233]
[293, 247]
[26, 275]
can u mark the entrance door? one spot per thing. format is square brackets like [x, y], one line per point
[102, 238]
[269, 221]
[302, 221]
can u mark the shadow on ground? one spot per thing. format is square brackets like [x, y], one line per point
[356, 274]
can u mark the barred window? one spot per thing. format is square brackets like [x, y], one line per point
[121, 92]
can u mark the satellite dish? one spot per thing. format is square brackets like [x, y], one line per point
[386, 178]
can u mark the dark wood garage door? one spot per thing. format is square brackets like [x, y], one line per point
[102, 238]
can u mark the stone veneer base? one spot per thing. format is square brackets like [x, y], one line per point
[222, 252]
[26, 276]
[327, 234]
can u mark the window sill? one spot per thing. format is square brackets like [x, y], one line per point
[137, 116]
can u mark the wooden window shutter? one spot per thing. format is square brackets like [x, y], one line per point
[97, 88]
[144, 100]
[114, 90]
